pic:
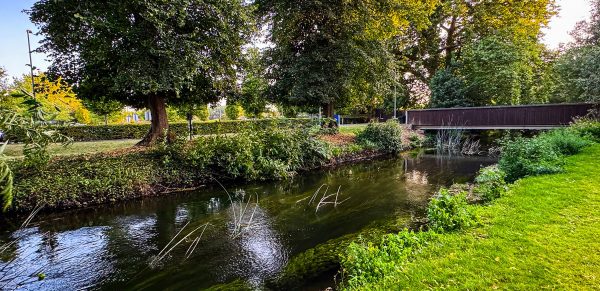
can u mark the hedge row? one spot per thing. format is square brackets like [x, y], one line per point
[138, 131]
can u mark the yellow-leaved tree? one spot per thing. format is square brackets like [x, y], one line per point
[56, 97]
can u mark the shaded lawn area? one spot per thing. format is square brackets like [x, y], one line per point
[352, 128]
[545, 233]
[76, 148]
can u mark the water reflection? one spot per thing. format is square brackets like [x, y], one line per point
[72, 259]
[261, 252]
[111, 247]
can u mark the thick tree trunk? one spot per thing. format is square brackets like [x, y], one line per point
[328, 110]
[105, 119]
[159, 125]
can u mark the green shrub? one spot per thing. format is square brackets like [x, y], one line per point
[523, 157]
[363, 264]
[566, 140]
[490, 183]
[383, 136]
[416, 140]
[258, 155]
[447, 212]
[234, 111]
[588, 128]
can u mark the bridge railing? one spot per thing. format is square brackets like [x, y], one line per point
[499, 117]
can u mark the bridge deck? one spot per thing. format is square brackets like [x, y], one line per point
[499, 117]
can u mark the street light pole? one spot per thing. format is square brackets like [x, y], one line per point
[395, 98]
[31, 64]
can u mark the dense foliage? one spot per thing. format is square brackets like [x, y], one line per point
[234, 111]
[253, 97]
[545, 153]
[448, 90]
[386, 136]
[324, 53]
[56, 99]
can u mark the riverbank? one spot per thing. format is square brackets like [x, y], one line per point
[93, 179]
[541, 234]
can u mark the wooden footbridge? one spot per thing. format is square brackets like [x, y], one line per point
[499, 117]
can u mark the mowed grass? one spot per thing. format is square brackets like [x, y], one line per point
[352, 128]
[76, 148]
[544, 234]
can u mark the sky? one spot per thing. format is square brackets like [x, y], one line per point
[14, 23]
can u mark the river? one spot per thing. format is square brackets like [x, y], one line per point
[248, 233]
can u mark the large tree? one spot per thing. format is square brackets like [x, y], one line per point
[145, 53]
[326, 52]
[458, 24]
[253, 97]
[578, 68]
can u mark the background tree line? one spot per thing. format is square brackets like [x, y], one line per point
[345, 56]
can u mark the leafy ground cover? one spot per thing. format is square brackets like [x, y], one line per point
[542, 234]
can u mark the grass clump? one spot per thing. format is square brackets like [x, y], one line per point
[370, 262]
[386, 136]
[566, 141]
[490, 183]
[447, 212]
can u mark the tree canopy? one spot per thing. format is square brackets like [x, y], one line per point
[325, 52]
[578, 68]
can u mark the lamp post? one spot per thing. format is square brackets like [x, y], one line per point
[395, 97]
[30, 64]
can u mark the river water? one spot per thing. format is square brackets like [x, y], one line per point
[229, 235]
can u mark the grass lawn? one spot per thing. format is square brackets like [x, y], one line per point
[544, 234]
[352, 128]
[16, 150]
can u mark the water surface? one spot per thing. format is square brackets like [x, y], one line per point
[117, 246]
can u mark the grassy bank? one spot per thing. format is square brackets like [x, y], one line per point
[92, 179]
[542, 234]
[76, 148]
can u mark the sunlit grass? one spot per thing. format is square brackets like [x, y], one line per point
[542, 234]
[352, 128]
[16, 150]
